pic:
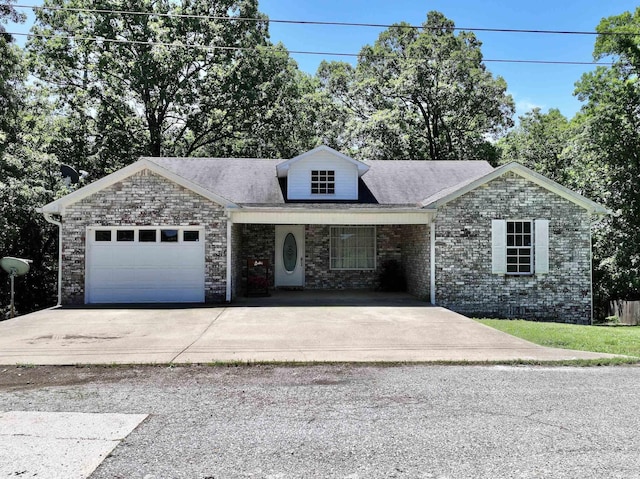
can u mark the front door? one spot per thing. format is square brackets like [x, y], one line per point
[289, 269]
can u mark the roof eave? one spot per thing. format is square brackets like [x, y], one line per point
[283, 168]
[531, 175]
[58, 206]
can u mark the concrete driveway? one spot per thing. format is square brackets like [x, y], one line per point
[389, 328]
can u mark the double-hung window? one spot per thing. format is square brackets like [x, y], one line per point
[353, 247]
[323, 182]
[520, 247]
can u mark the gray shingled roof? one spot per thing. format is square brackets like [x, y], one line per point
[254, 181]
[411, 181]
[239, 180]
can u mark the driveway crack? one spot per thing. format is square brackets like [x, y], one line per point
[199, 336]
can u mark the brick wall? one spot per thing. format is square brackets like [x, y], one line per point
[464, 281]
[318, 274]
[258, 242]
[416, 251]
[143, 199]
[236, 260]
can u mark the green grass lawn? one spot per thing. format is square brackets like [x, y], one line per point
[600, 339]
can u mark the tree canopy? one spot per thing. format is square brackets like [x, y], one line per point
[421, 94]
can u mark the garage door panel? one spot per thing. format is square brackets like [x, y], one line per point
[133, 272]
[144, 295]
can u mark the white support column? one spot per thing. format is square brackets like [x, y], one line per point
[229, 252]
[432, 261]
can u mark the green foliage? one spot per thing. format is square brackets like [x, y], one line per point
[29, 178]
[606, 145]
[598, 339]
[538, 142]
[152, 94]
[420, 94]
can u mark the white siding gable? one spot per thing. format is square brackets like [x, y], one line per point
[299, 177]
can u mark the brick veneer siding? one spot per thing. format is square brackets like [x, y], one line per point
[464, 281]
[143, 199]
[318, 274]
[258, 242]
[416, 253]
[236, 260]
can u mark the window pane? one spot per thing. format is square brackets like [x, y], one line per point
[147, 236]
[519, 251]
[103, 235]
[125, 235]
[352, 248]
[322, 182]
[191, 236]
[169, 236]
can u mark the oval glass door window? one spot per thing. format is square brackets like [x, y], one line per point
[290, 253]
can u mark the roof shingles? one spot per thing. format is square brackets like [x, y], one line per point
[392, 182]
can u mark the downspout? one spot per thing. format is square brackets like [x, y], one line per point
[229, 253]
[49, 219]
[432, 262]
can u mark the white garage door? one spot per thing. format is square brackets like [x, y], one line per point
[145, 265]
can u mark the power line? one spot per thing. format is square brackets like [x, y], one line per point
[276, 51]
[316, 22]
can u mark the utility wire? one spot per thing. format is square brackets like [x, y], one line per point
[315, 22]
[277, 51]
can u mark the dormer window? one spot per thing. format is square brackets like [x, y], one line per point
[323, 182]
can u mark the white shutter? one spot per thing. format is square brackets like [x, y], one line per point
[541, 228]
[498, 243]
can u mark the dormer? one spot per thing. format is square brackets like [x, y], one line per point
[322, 174]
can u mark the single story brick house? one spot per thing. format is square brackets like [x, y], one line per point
[500, 242]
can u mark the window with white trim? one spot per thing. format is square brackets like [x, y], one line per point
[519, 247]
[353, 247]
[323, 182]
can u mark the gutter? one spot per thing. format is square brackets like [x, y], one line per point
[49, 219]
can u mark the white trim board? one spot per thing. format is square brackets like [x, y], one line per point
[528, 174]
[58, 206]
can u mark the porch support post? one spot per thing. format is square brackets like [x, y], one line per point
[432, 262]
[229, 252]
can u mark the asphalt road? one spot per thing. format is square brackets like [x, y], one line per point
[353, 421]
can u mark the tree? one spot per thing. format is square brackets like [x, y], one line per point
[607, 145]
[538, 142]
[12, 75]
[422, 93]
[28, 178]
[167, 84]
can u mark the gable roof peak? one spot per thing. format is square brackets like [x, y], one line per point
[283, 168]
[449, 194]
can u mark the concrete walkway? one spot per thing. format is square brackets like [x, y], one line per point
[393, 328]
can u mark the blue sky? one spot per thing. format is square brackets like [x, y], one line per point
[544, 86]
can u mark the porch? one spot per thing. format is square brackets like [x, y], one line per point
[332, 264]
